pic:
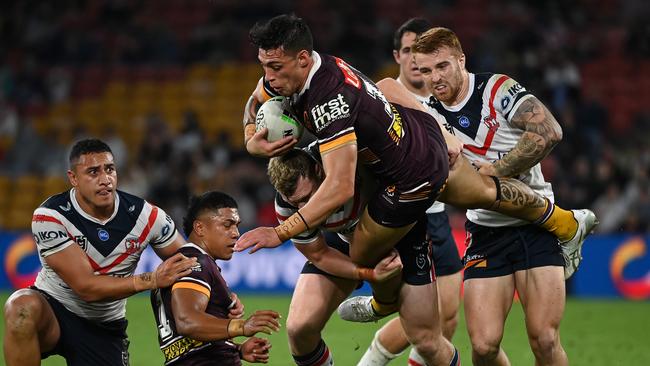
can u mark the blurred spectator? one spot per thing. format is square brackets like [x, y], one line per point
[561, 51]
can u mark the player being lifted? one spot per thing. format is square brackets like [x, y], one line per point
[390, 340]
[405, 149]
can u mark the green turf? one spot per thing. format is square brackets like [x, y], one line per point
[594, 333]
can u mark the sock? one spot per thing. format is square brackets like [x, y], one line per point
[558, 221]
[415, 359]
[455, 360]
[321, 356]
[376, 354]
[381, 308]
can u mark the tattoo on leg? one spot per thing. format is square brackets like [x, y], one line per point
[519, 194]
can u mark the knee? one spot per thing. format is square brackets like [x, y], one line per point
[301, 328]
[544, 343]
[22, 312]
[486, 349]
[427, 343]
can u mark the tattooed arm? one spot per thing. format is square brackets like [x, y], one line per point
[541, 133]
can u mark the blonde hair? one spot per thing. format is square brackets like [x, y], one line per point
[436, 38]
[285, 170]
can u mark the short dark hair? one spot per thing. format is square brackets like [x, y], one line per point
[208, 201]
[286, 30]
[415, 25]
[87, 146]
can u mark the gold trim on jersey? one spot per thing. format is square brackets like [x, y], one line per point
[192, 286]
[348, 138]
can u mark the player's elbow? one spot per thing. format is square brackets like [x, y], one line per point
[90, 293]
[185, 325]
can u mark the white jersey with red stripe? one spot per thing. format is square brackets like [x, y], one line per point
[113, 247]
[482, 122]
[437, 206]
[342, 221]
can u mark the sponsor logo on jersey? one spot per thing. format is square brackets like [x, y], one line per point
[165, 230]
[326, 113]
[66, 208]
[47, 236]
[515, 89]
[131, 208]
[463, 121]
[102, 234]
[350, 77]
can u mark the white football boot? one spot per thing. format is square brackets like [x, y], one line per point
[572, 249]
[359, 309]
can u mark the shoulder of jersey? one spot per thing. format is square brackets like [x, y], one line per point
[58, 202]
[132, 204]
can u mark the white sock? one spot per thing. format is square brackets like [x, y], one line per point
[415, 359]
[376, 354]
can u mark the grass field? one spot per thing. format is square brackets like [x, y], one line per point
[594, 333]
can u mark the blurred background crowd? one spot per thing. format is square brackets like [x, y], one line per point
[164, 83]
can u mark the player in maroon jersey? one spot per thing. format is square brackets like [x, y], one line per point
[410, 157]
[193, 315]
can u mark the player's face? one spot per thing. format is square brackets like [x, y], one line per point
[95, 180]
[442, 71]
[407, 67]
[305, 188]
[285, 72]
[221, 232]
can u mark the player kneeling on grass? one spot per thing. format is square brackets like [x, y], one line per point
[195, 317]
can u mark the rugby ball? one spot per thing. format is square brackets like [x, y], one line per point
[275, 115]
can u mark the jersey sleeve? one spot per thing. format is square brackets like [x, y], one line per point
[163, 230]
[283, 210]
[198, 280]
[507, 95]
[49, 232]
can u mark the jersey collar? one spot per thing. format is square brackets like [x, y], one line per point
[192, 245]
[314, 68]
[87, 216]
[460, 105]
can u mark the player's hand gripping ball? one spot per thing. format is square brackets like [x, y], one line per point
[274, 114]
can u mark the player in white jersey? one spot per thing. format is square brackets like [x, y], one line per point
[329, 276]
[390, 341]
[89, 241]
[506, 132]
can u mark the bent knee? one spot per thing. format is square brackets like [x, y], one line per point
[545, 342]
[297, 329]
[486, 349]
[23, 310]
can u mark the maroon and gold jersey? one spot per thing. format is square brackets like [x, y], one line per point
[205, 278]
[340, 105]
